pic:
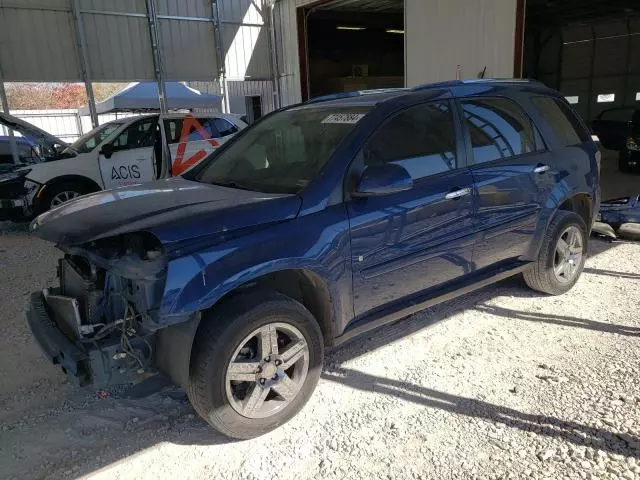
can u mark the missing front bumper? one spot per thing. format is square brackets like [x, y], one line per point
[56, 346]
[99, 364]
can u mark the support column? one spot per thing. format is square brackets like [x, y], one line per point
[220, 56]
[5, 109]
[268, 17]
[84, 63]
[156, 51]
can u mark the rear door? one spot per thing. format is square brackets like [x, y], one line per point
[407, 242]
[132, 160]
[192, 139]
[512, 177]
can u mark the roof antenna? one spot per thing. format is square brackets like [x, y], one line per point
[482, 72]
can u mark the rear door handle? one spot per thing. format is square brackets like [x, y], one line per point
[541, 169]
[455, 194]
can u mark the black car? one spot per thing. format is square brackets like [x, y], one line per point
[619, 129]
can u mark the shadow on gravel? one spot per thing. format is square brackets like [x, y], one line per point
[610, 273]
[108, 431]
[514, 287]
[573, 432]
[92, 436]
[561, 320]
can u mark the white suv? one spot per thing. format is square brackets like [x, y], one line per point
[118, 153]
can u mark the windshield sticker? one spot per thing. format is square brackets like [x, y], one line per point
[343, 118]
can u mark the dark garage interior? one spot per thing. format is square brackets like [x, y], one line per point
[352, 45]
[590, 51]
[587, 49]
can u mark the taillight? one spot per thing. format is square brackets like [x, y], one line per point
[633, 145]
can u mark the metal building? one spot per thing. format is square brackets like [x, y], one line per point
[442, 38]
[253, 52]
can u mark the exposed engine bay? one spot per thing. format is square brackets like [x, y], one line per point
[106, 306]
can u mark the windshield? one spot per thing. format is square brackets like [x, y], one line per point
[91, 140]
[282, 153]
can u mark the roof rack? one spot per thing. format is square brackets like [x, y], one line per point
[359, 93]
[453, 83]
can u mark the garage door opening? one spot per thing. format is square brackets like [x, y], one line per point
[350, 45]
[590, 51]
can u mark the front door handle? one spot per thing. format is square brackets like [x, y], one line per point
[455, 194]
[541, 169]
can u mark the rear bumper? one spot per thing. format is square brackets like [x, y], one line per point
[56, 346]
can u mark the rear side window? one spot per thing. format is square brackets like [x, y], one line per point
[420, 139]
[174, 126]
[225, 127]
[562, 121]
[498, 128]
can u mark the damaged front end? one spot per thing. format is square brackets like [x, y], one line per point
[98, 324]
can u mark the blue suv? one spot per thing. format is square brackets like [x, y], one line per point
[319, 222]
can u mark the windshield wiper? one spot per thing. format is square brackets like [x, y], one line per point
[231, 184]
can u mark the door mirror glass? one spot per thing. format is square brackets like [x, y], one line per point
[107, 150]
[383, 179]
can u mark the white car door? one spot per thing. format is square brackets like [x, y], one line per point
[192, 139]
[130, 157]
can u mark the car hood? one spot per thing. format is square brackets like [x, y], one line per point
[174, 210]
[29, 131]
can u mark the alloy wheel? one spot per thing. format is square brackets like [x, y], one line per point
[267, 370]
[568, 254]
[63, 197]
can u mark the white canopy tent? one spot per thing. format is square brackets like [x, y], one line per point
[143, 96]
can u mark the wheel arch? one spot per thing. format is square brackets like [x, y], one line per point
[580, 203]
[174, 343]
[90, 185]
[573, 201]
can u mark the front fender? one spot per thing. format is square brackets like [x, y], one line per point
[83, 165]
[317, 242]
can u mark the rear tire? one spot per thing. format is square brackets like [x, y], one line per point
[558, 269]
[225, 339]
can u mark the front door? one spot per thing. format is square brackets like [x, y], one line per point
[134, 151]
[408, 242]
[512, 177]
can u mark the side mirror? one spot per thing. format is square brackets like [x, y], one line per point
[107, 150]
[383, 179]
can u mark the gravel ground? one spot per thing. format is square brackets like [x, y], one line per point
[501, 383]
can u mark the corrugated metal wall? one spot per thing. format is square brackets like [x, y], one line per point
[442, 34]
[239, 90]
[39, 56]
[65, 124]
[117, 40]
[245, 40]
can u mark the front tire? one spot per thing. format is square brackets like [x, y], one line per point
[562, 255]
[61, 192]
[255, 362]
